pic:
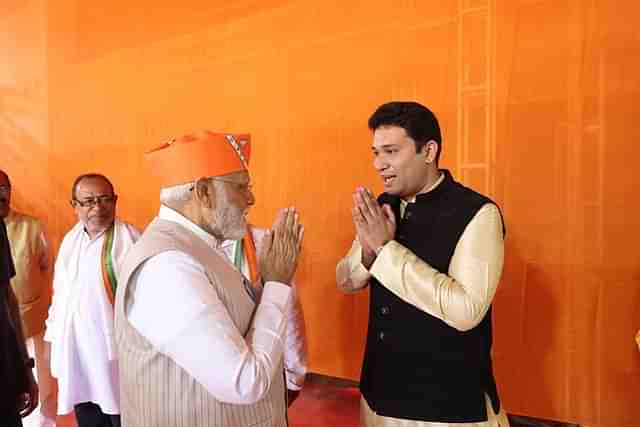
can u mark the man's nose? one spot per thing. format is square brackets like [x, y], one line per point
[100, 204]
[379, 163]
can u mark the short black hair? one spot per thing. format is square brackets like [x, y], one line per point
[3, 173]
[82, 177]
[417, 120]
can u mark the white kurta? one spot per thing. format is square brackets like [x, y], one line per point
[80, 322]
[295, 351]
[195, 329]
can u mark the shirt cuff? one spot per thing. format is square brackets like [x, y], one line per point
[382, 253]
[359, 272]
[295, 381]
[276, 293]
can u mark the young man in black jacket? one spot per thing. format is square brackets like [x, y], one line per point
[431, 252]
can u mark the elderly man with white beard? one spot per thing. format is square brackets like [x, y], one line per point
[198, 344]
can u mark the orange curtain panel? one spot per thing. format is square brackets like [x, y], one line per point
[537, 102]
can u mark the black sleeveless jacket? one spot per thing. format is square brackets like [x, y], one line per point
[416, 366]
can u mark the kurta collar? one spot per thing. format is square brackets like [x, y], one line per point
[85, 233]
[430, 192]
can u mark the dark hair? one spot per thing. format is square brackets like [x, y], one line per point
[81, 178]
[417, 120]
[3, 173]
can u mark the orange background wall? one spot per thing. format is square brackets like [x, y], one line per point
[536, 100]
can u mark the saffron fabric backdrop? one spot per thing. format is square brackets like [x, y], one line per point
[536, 101]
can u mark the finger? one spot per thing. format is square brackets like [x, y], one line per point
[23, 403]
[362, 206]
[28, 411]
[357, 199]
[280, 217]
[372, 208]
[388, 212]
[295, 226]
[285, 232]
[285, 219]
[284, 228]
[33, 404]
[292, 218]
[372, 203]
[26, 406]
[265, 246]
[369, 194]
[293, 240]
[300, 238]
[357, 216]
[281, 233]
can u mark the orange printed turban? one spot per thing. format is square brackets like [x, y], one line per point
[203, 154]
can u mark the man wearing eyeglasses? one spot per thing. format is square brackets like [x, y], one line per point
[199, 344]
[80, 322]
[32, 288]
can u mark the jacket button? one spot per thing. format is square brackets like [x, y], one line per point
[381, 336]
[385, 310]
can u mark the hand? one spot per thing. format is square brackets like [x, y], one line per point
[281, 246]
[28, 402]
[49, 403]
[375, 225]
[368, 254]
[292, 395]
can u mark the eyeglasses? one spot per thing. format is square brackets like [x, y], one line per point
[93, 202]
[244, 187]
[6, 189]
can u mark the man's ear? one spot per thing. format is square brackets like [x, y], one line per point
[430, 150]
[204, 193]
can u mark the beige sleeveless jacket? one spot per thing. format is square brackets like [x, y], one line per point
[155, 392]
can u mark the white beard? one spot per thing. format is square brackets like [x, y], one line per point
[227, 221]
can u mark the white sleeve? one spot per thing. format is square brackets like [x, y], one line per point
[176, 309]
[295, 352]
[351, 275]
[295, 348]
[50, 322]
